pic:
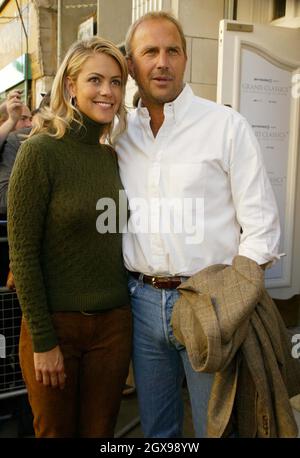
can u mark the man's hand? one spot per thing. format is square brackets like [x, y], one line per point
[49, 368]
[265, 265]
[14, 106]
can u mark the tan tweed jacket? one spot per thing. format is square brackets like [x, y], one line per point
[230, 326]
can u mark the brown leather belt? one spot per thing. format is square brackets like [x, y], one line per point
[159, 282]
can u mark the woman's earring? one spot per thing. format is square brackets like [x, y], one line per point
[72, 100]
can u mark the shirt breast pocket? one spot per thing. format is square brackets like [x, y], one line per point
[186, 180]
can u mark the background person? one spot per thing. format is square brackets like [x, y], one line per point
[7, 159]
[13, 115]
[12, 145]
[75, 338]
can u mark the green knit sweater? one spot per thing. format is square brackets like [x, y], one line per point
[59, 260]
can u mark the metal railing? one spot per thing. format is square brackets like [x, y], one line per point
[11, 381]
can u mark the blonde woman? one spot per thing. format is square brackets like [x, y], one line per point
[76, 331]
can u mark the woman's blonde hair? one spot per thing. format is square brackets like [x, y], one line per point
[56, 119]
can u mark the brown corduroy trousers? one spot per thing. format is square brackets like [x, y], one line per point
[96, 350]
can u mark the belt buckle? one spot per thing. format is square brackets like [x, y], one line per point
[153, 282]
[87, 313]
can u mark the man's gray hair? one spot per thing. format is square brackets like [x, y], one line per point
[153, 15]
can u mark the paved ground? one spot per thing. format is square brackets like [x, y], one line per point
[128, 423]
[17, 423]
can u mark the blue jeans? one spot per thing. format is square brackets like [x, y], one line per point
[160, 363]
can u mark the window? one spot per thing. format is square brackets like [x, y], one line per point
[279, 7]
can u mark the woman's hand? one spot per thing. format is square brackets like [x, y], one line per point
[10, 282]
[49, 368]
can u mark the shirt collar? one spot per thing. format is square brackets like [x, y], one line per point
[177, 108]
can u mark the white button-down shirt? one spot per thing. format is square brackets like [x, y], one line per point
[193, 187]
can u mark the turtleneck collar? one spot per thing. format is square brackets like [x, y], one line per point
[89, 133]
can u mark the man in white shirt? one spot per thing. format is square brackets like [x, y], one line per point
[199, 195]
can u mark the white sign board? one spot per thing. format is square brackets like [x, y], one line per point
[256, 69]
[265, 100]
